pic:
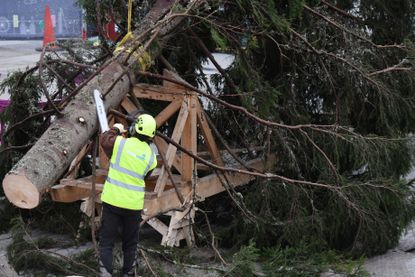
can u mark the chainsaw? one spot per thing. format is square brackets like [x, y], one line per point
[102, 115]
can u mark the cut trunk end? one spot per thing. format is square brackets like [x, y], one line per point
[21, 191]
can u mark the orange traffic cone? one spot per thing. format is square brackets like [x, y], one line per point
[48, 32]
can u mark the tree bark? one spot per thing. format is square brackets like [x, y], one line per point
[47, 160]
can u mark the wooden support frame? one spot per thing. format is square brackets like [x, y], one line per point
[152, 92]
[160, 196]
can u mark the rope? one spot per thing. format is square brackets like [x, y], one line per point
[143, 58]
[130, 8]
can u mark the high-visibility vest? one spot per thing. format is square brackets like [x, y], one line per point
[131, 160]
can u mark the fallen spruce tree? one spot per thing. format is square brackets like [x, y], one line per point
[76, 114]
[327, 88]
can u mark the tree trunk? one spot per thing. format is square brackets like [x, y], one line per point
[47, 160]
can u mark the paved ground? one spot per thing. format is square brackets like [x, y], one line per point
[397, 262]
[17, 55]
[5, 268]
[394, 263]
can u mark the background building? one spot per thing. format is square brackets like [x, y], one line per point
[23, 19]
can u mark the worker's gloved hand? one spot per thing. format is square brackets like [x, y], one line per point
[120, 128]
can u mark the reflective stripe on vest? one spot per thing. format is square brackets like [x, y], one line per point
[116, 165]
[124, 185]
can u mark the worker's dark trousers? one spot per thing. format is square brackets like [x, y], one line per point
[114, 219]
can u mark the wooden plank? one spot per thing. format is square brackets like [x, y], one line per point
[205, 187]
[188, 230]
[207, 134]
[158, 225]
[74, 167]
[81, 184]
[71, 191]
[128, 105]
[176, 238]
[206, 154]
[170, 238]
[163, 146]
[74, 190]
[68, 194]
[180, 227]
[89, 206]
[168, 112]
[158, 93]
[211, 185]
[104, 161]
[151, 183]
[171, 149]
[189, 140]
[158, 205]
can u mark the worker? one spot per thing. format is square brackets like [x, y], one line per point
[132, 161]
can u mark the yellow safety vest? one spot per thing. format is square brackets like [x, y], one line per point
[131, 160]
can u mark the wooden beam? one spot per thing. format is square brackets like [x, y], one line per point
[76, 190]
[152, 181]
[103, 158]
[163, 146]
[74, 167]
[73, 190]
[168, 112]
[189, 140]
[180, 227]
[159, 93]
[206, 154]
[68, 194]
[211, 185]
[205, 187]
[79, 183]
[171, 149]
[208, 136]
[128, 105]
[158, 225]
